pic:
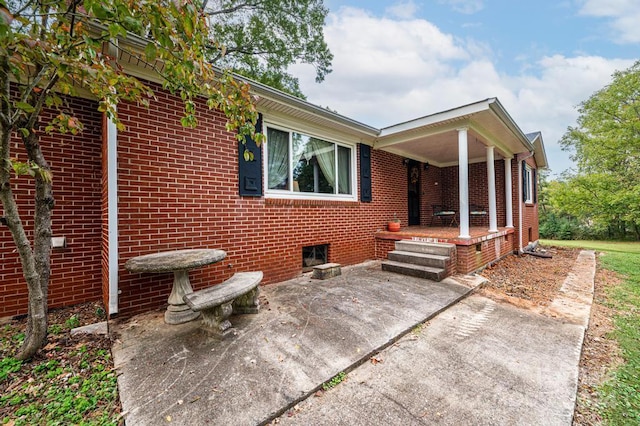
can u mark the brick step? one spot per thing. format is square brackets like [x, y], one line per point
[428, 272]
[433, 260]
[440, 249]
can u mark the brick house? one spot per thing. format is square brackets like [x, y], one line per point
[322, 189]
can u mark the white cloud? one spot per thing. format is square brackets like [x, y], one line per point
[467, 7]
[386, 72]
[402, 10]
[625, 15]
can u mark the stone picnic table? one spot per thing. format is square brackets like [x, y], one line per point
[180, 262]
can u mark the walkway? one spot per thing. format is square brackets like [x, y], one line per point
[479, 361]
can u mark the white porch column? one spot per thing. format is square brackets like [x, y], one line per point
[463, 182]
[491, 179]
[112, 213]
[508, 192]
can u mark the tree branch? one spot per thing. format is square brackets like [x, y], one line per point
[230, 9]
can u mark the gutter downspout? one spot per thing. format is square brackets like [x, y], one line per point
[520, 203]
[112, 214]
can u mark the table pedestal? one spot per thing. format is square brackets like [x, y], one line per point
[178, 312]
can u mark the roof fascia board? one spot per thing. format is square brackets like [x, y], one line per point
[256, 88]
[504, 116]
[395, 138]
[335, 134]
[540, 153]
[434, 119]
[274, 95]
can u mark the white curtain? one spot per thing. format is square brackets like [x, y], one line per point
[344, 167]
[325, 154]
[278, 161]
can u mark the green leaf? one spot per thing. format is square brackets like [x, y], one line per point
[151, 52]
[28, 108]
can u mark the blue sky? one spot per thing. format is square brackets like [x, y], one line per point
[399, 60]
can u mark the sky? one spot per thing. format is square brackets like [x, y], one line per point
[399, 60]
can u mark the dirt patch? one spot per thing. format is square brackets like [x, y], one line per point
[529, 281]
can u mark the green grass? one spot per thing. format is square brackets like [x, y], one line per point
[620, 395]
[608, 246]
[335, 381]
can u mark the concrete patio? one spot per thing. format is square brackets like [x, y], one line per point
[480, 361]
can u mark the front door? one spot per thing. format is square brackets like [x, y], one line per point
[413, 195]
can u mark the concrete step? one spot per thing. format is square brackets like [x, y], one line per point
[433, 260]
[428, 272]
[440, 249]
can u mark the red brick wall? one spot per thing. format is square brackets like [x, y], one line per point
[431, 193]
[178, 189]
[529, 215]
[478, 191]
[75, 164]
[470, 259]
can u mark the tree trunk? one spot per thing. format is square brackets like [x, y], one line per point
[38, 285]
[35, 262]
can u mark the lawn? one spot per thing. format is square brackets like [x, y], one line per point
[620, 395]
[607, 246]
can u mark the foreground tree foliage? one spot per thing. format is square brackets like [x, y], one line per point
[49, 50]
[261, 38]
[605, 190]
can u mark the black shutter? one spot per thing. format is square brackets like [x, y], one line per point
[524, 181]
[250, 172]
[534, 182]
[365, 173]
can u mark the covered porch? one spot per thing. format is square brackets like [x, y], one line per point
[464, 182]
[463, 161]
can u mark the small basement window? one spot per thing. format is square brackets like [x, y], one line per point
[313, 256]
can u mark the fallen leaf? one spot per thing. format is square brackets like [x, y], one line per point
[50, 346]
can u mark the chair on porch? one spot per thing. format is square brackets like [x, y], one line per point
[444, 214]
[477, 212]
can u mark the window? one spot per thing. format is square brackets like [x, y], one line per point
[314, 255]
[527, 184]
[302, 165]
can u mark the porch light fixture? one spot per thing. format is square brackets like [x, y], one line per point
[426, 166]
[3, 221]
[405, 162]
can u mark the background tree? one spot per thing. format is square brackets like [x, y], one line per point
[49, 49]
[605, 190]
[262, 38]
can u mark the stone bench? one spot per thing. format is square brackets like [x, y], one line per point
[238, 294]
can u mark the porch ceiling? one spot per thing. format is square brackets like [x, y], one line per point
[434, 138]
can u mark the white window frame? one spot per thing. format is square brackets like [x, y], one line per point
[528, 170]
[289, 193]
